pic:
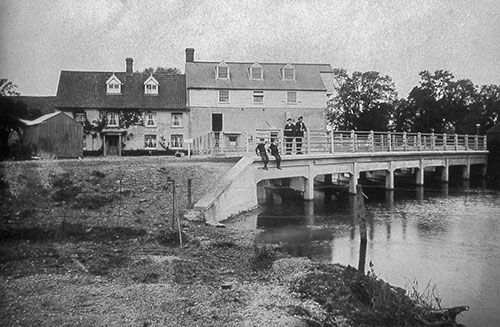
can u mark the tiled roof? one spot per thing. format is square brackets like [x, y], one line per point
[201, 75]
[88, 90]
[46, 104]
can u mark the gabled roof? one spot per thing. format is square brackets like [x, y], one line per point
[201, 75]
[46, 104]
[87, 90]
[40, 119]
[494, 129]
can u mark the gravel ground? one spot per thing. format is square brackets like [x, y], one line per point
[93, 242]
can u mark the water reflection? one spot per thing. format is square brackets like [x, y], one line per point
[446, 234]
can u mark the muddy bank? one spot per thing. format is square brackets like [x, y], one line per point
[92, 242]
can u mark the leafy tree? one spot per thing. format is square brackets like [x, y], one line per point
[169, 71]
[7, 88]
[439, 104]
[363, 101]
[10, 113]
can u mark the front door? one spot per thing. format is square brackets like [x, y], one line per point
[112, 145]
[217, 128]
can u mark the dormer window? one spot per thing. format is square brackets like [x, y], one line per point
[151, 85]
[256, 72]
[288, 73]
[222, 71]
[113, 85]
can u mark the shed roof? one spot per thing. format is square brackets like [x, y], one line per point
[494, 129]
[79, 89]
[201, 75]
[40, 119]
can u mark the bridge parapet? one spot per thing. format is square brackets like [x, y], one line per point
[324, 141]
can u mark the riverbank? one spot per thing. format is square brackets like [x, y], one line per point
[92, 242]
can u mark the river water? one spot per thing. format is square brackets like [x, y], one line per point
[443, 239]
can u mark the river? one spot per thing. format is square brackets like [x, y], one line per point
[443, 239]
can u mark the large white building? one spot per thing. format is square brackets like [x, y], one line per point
[232, 99]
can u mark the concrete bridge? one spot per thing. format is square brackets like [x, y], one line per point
[245, 184]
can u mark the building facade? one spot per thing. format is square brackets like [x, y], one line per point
[126, 112]
[233, 99]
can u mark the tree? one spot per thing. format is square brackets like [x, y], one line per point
[439, 104]
[7, 88]
[10, 113]
[363, 101]
[168, 71]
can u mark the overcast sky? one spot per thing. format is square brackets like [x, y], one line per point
[39, 38]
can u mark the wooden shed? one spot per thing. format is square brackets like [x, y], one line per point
[493, 133]
[55, 133]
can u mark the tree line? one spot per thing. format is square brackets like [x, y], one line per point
[440, 103]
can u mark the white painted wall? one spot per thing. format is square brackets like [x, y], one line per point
[134, 138]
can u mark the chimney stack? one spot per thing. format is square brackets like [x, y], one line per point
[130, 65]
[189, 55]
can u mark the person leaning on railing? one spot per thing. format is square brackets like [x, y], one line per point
[300, 128]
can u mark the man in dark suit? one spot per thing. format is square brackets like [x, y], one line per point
[275, 152]
[300, 128]
[289, 133]
[261, 150]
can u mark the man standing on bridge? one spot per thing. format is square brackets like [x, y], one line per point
[300, 128]
[289, 133]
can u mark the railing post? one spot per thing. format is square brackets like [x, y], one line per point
[405, 142]
[433, 142]
[485, 143]
[389, 141]
[419, 141]
[445, 141]
[456, 142]
[466, 142]
[306, 134]
[372, 142]
[353, 140]
[332, 148]
[476, 141]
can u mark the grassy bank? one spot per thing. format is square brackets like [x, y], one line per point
[92, 242]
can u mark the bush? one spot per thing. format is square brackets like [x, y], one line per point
[264, 257]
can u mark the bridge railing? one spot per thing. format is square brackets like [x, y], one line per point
[323, 141]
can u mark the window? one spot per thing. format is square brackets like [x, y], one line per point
[151, 85]
[258, 96]
[176, 141]
[291, 97]
[176, 120]
[224, 96]
[233, 139]
[150, 119]
[222, 71]
[256, 72]
[288, 73]
[113, 85]
[150, 141]
[80, 117]
[113, 119]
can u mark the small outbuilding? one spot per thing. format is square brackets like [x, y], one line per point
[55, 133]
[494, 133]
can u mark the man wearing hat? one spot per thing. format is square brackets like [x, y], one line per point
[261, 150]
[289, 133]
[300, 128]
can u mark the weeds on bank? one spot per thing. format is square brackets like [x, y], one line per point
[347, 290]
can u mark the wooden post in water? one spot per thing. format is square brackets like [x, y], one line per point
[360, 204]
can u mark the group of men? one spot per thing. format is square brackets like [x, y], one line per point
[294, 131]
[291, 132]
